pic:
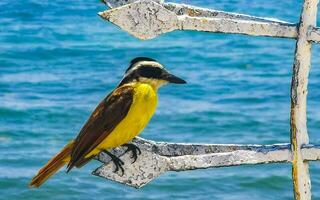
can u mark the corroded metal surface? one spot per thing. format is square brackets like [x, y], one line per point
[147, 19]
[314, 34]
[310, 152]
[193, 11]
[159, 157]
[142, 19]
[118, 3]
[180, 149]
[299, 90]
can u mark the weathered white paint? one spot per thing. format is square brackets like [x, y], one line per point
[185, 17]
[310, 152]
[299, 90]
[146, 19]
[143, 19]
[193, 11]
[118, 3]
[160, 157]
[247, 27]
[314, 34]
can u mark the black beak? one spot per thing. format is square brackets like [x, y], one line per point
[173, 79]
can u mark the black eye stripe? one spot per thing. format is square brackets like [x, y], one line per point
[150, 72]
[145, 71]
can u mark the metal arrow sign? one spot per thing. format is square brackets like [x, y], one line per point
[146, 19]
[159, 157]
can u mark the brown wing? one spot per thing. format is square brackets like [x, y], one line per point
[101, 123]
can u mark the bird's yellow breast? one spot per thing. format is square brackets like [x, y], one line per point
[141, 110]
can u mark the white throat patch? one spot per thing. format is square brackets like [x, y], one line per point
[155, 83]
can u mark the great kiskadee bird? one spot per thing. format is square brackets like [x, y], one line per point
[118, 118]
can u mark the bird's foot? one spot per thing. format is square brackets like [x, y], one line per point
[134, 149]
[117, 162]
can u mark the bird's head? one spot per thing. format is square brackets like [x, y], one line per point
[147, 70]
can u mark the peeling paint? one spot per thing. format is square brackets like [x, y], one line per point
[190, 17]
[146, 19]
[299, 84]
[159, 157]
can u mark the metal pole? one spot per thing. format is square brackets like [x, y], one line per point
[298, 119]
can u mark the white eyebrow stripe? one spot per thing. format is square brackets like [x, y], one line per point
[142, 63]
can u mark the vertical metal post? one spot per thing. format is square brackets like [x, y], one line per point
[298, 120]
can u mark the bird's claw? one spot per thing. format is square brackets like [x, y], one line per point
[135, 151]
[117, 162]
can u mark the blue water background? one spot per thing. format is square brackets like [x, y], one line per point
[58, 59]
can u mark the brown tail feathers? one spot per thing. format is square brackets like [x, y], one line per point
[52, 166]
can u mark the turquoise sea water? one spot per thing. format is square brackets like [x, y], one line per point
[58, 59]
